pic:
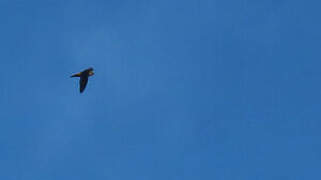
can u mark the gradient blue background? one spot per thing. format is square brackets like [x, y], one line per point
[183, 90]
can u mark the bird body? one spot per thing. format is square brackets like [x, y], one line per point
[84, 75]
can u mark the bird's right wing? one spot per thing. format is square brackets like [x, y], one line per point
[76, 75]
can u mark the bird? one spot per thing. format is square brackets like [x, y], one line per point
[84, 75]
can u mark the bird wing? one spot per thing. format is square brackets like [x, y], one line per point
[83, 82]
[76, 75]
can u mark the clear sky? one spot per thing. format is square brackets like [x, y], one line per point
[183, 90]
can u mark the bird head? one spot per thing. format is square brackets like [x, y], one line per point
[91, 71]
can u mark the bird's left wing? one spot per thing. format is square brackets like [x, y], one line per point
[83, 82]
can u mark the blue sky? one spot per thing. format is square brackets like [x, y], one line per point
[189, 90]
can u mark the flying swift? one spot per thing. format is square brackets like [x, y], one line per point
[84, 75]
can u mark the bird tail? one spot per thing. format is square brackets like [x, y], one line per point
[76, 75]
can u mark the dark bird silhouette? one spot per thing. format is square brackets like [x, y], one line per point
[83, 78]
